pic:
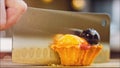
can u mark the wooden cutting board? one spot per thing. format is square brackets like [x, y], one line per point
[5, 63]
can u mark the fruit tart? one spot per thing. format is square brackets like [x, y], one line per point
[80, 48]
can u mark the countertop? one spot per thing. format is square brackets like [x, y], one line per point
[5, 63]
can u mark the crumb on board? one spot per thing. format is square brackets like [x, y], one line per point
[54, 65]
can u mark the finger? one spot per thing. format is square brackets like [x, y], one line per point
[15, 10]
[13, 16]
[10, 12]
[2, 27]
[2, 14]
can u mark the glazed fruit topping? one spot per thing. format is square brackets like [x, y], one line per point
[91, 35]
[85, 47]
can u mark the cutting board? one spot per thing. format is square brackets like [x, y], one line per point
[8, 63]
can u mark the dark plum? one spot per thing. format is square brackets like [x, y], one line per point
[91, 35]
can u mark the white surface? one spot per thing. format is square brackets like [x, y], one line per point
[5, 44]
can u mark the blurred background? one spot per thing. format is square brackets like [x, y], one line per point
[111, 7]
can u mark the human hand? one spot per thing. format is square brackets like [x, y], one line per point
[14, 9]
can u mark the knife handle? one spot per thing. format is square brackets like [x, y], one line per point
[2, 12]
